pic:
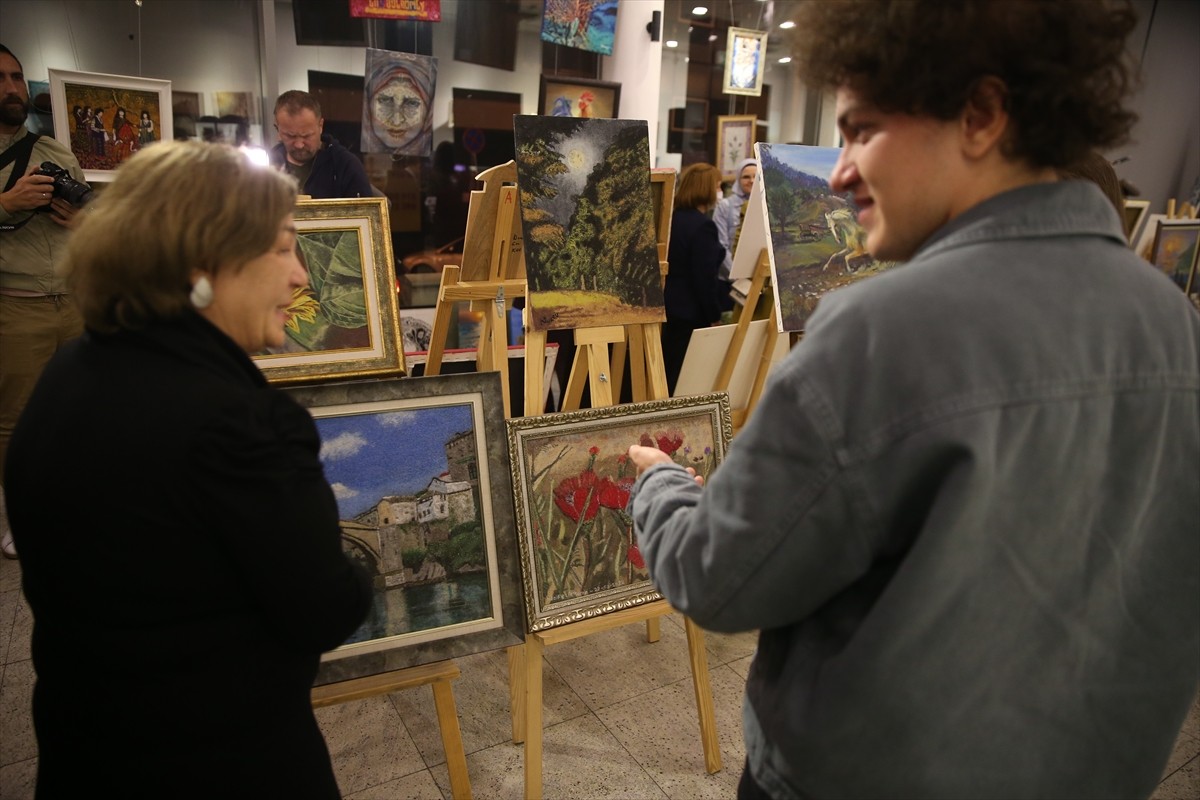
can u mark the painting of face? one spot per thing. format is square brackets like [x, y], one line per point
[398, 107]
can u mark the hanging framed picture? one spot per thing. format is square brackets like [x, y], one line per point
[105, 119]
[584, 24]
[345, 323]
[735, 143]
[745, 56]
[578, 97]
[420, 471]
[571, 481]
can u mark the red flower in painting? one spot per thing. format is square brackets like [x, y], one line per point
[572, 494]
[669, 441]
[593, 450]
[615, 494]
[646, 441]
[635, 557]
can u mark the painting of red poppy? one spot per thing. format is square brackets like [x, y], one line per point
[571, 481]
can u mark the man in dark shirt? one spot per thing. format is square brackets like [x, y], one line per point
[321, 166]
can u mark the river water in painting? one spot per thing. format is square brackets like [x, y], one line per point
[407, 609]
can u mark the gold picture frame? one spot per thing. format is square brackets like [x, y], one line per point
[571, 481]
[346, 322]
[745, 62]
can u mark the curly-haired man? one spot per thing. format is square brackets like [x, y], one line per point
[964, 513]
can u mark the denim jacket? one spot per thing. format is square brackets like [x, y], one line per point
[965, 517]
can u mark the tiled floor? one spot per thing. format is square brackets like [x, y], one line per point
[620, 722]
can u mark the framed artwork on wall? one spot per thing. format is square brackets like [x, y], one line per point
[420, 470]
[584, 24]
[745, 55]
[735, 143]
[345, 323]
[692, 118]
[105, 119]
[571, 482]
[429, 10]
[578, 97]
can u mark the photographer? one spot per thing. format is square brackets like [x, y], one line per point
[36, 317]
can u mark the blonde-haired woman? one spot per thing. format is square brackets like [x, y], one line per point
[180, 546]
[692, 290]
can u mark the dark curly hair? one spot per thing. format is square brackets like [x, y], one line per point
[1063, 63]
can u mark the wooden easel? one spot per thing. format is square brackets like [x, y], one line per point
[438, 676]
[592, 358]
[493, 239]
[761, 278]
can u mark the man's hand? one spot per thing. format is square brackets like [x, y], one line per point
[30, 192]
[644, 458]
[63, 212]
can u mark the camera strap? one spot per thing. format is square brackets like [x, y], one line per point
[18, 155]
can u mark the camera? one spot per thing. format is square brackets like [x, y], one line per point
[66, 187]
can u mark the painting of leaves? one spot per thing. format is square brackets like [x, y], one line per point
[587, 218]
[572, 477]
[331, 312]
[815, 242]
[345, 322]
[585, 24]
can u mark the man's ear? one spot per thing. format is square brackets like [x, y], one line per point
[984, 120]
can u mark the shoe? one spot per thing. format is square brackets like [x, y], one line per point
[6, 541]
[6, 545]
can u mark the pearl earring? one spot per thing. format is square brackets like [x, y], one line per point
[202, 292]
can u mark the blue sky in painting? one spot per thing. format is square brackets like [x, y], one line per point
[810, 160]
[368, 456]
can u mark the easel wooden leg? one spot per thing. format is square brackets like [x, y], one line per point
[704, 702]
[653, 630]
[516, 691]
[573, 394]
[456, 758]
[533, 717]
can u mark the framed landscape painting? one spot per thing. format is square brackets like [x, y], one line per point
[578, 97]
[814, 241]
[584, 24]
[105, 119]
[571, 479]
[420, 471]
[591, 253]
[345, 323]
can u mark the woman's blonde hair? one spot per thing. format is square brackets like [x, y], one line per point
[174, 207]
[698, 186]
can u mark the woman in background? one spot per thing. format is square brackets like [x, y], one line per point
[180, 546]
[729, 215]
[692, 290]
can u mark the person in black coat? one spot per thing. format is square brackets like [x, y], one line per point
[694, 255]
[180, 545]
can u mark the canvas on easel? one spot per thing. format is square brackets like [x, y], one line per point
[815, 243]
[709, 345]
[586, 211]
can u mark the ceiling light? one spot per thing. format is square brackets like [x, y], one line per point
[672, 43]
[785, 60]
[712, 37]
[788, 24]
[699, 11]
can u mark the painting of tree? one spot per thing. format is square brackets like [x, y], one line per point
[815, 242]
[588, 222]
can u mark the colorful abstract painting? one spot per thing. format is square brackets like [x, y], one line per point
[429, 10]
[1175, 248]
[584, 24]
[419, 471]
[588, 222]
[815, 241]
[572, 479]
[398, 94]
